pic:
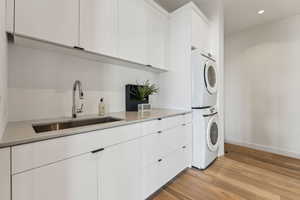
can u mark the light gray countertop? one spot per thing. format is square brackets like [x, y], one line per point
[17, 133]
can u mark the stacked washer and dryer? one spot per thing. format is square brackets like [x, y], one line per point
[205, 114]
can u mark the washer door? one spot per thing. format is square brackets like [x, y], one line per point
[212, 134]
[210, 76]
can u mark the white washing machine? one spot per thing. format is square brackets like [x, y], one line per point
[204, 80]
[205, 137]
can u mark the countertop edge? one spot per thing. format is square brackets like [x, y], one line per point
[77, 132]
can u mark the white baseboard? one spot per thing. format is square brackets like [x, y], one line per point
[266, 148]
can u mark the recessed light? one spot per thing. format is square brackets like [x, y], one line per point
[261, 12]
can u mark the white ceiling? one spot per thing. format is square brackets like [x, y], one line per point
[242, 14]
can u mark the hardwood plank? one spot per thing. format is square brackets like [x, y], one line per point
[241, 174]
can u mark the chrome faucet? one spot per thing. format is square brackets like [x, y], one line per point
[76, 110]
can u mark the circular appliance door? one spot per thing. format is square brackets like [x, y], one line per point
[212, 134]
[210, 77]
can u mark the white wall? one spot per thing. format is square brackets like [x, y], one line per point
[3, 69]
[40, 83]
[262, 70]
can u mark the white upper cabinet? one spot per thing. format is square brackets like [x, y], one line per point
[71, 179]
[50, 20]
[157, 36]
[98, 26]
[200, 32]
[132, 31]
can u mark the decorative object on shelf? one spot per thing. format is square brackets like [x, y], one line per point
[139, 94]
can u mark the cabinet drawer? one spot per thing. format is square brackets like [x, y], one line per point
[172, 139]
[174, 163]
[160, 172]
[159, 144]
[151, 148]
[28, 156]
[171, 122]
[150, 127]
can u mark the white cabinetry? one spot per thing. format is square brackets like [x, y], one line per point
[119, 170]
[157, 36]
[128, 162]
[200, 32]
[98, 26]
[5, 174]
[132, 31]
[50, 20]
[166, 152]
[71, 179]
[129, 30]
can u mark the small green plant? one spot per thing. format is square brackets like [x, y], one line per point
[142, 91]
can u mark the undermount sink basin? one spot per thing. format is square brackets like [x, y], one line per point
[54, 126]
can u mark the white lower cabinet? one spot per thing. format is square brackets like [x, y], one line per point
[119, 169]
[5, 174]
[71, 179]
[129, 169]
[157, 174]
[165, 154]
[152, 178]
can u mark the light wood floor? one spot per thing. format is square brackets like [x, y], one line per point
[241, 174]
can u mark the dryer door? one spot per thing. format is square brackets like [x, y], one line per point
[212, 134]
[210, 76]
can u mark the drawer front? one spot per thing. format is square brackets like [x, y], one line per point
[174, 163]
[151, 150]
[171, 122]
[150, 127]
[172, 139]
[159, 144]
[33, 155]
[160, 172]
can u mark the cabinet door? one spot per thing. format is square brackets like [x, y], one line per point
[98, 26]
[153, 177]
[5, 174]
[72, 179]
[50, 20]
[200, 33]
[188, 129]
[120, 172]
[157, 33]
[151, 149]
[174, 163]
[132, 31]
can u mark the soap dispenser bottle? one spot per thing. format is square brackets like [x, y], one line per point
[102, 110]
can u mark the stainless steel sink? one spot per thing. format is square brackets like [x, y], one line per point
[54, 126]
